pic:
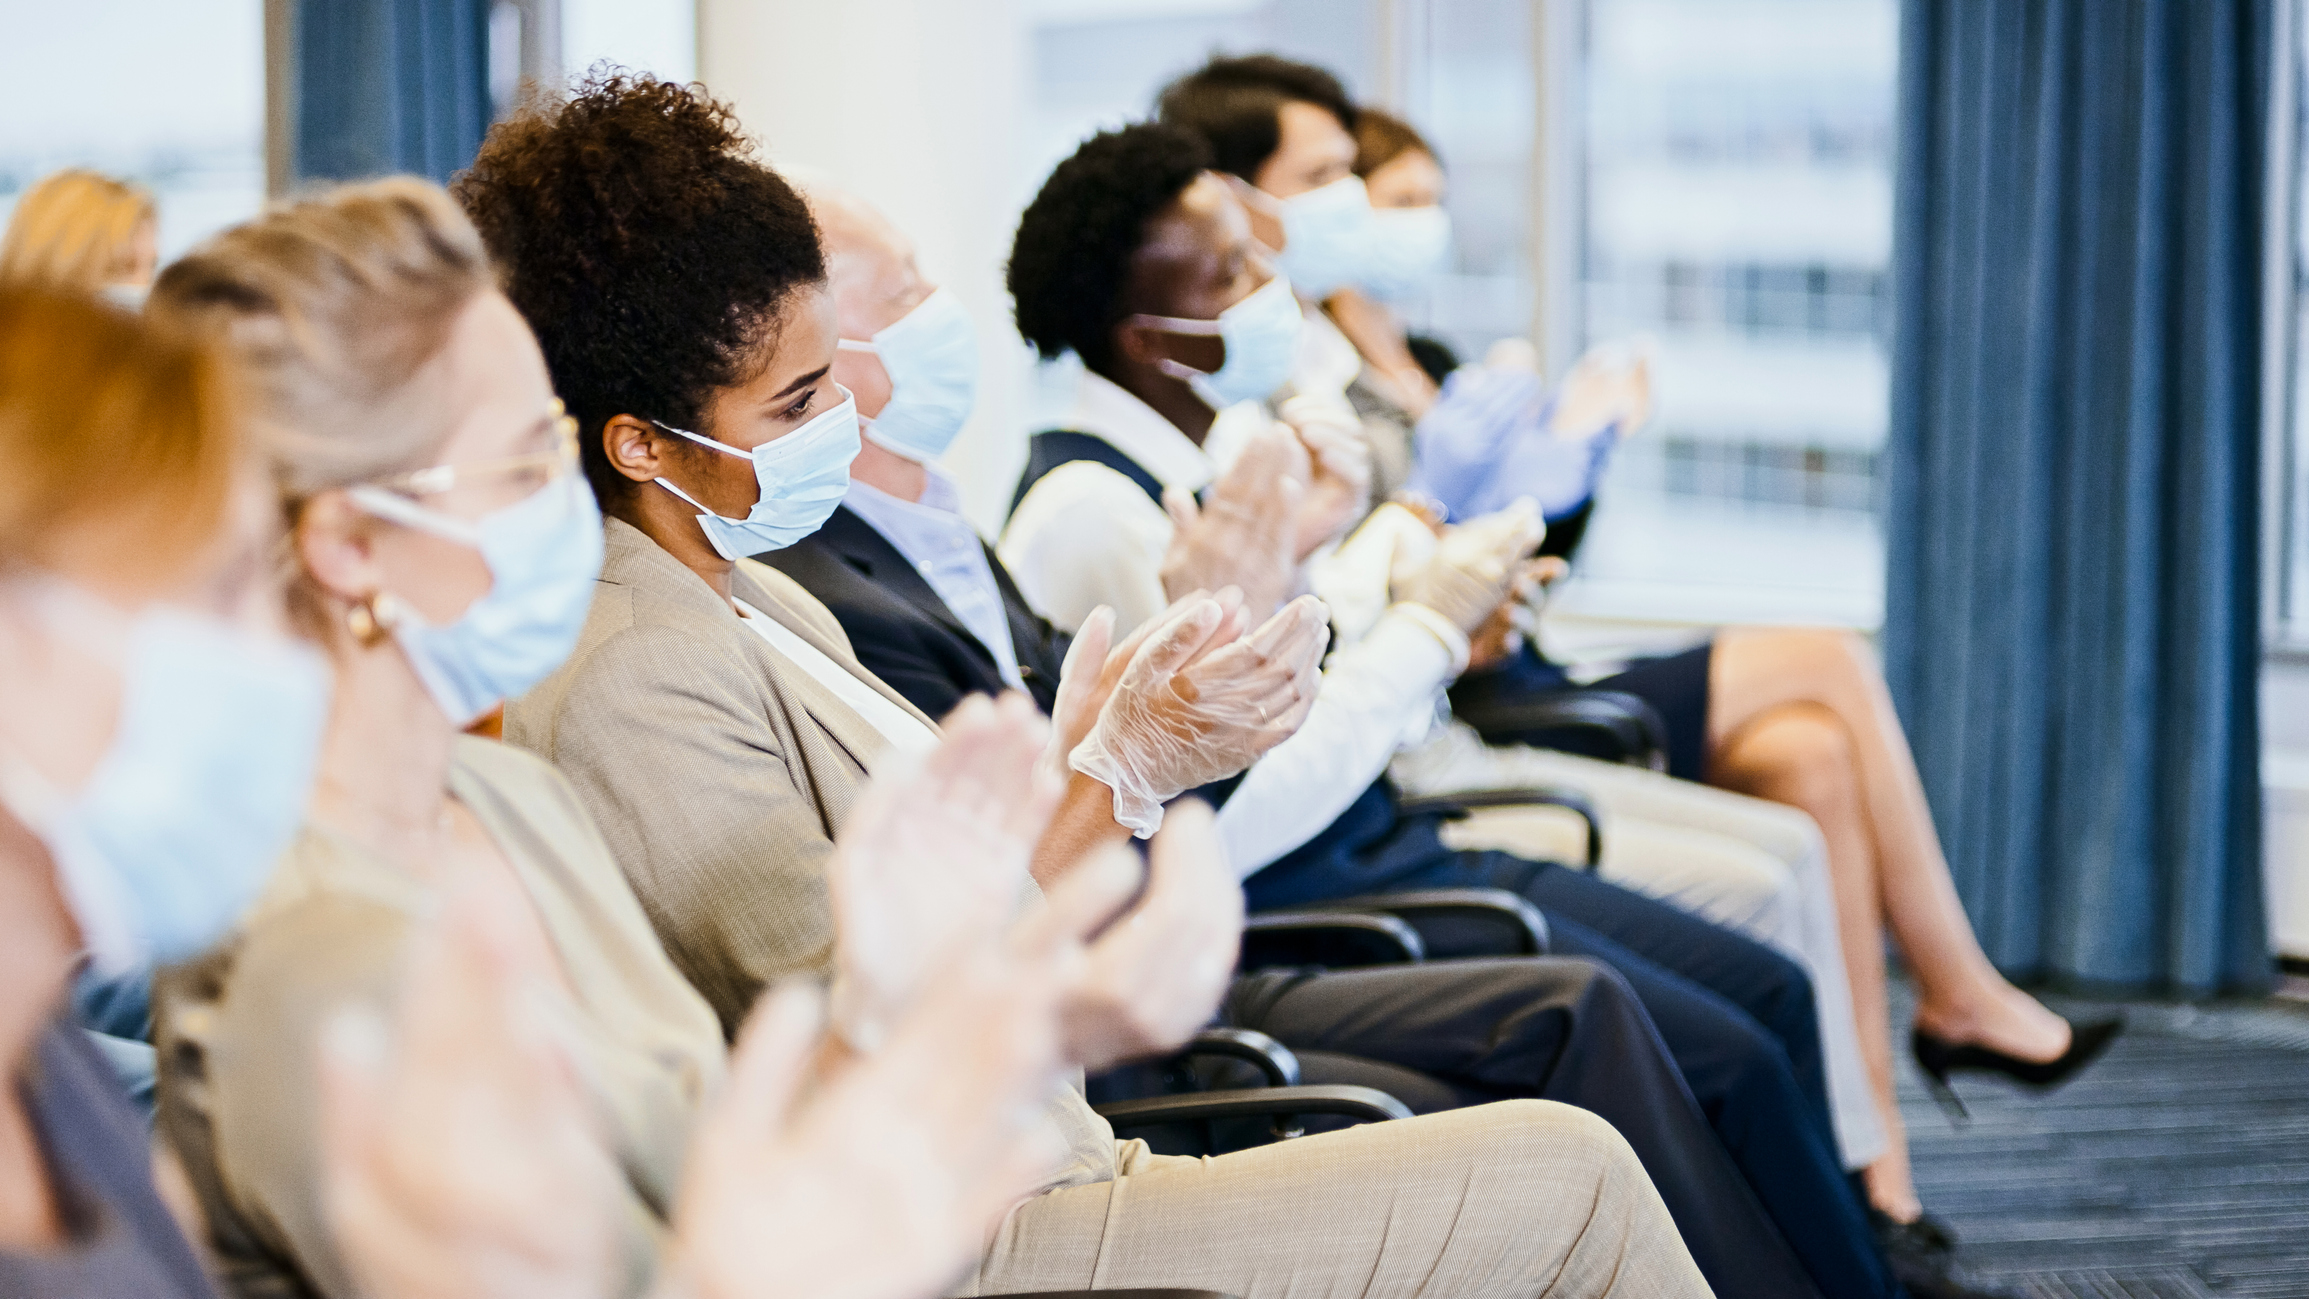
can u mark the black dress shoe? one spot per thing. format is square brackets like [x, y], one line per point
[1926, 1240]
[1938, 1059]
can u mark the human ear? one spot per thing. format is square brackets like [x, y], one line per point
[632, 447]
[335, 545]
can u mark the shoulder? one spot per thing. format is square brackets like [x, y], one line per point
[1077, 492]
[794, 598]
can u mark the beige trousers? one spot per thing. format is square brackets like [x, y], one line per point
[1758, 867]
[1512, 1200]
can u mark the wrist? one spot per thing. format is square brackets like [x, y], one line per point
[1454, 640]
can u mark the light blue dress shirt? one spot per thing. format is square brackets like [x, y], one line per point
[945, 550]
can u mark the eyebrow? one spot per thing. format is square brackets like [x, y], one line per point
[801, 383]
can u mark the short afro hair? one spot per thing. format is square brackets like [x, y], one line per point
[1235, 102]
[1075, 241]
[648, 248]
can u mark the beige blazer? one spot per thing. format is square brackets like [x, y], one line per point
[719, 772]
[717, 769]
[238, 1029]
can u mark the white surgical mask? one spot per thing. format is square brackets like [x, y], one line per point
[1409, 246]
[543, 553]
[931, 356]
[1328, 236]
[175, 832]
[1261, 334]
[802, 478]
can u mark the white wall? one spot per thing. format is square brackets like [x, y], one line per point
[919, 106]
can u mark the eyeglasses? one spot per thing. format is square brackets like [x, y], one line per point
[544, 465]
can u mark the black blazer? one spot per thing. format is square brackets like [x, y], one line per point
[903, 632]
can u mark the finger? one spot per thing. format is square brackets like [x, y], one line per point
[767, 1066]
[1176, 641]
[1088, 651]
[1181, 506]
[353, 1054]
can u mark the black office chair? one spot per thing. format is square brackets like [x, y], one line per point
[1608, 724]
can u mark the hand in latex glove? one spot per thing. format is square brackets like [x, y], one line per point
[1244, 532]
[1474, 565]
[1192, 709]
[1094, 666]
[881, 1177]
[934, 858]
[1157, 974]
[1339, 473]
[443, 1140]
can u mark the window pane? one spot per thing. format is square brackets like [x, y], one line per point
[161, 92]
[1738, 211]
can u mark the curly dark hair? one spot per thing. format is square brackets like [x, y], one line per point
[648, 248]
[1236, 102]
[1075, 242]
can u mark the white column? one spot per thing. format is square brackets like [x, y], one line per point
[919, 106]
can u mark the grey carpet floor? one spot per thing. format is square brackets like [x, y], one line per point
[2175, 1168]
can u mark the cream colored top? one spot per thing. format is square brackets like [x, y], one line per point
[238, 1030]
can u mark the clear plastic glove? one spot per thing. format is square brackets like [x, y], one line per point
[1474, 565]
[442, 1136]
[1156, 975]
[879, 1177]
[1191, 709]
[1338, 470]
[934, 858]
[1244, 532]
[814, 1171]
[1094, 666]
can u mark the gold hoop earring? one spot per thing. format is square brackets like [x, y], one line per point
[369, 623]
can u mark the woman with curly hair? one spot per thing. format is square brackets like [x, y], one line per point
[716, 724]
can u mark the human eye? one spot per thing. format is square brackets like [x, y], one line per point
[801, 406]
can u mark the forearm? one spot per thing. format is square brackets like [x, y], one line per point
[1083, 823]
[1373, 694]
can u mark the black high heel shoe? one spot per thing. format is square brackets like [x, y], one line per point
[1938, 1059]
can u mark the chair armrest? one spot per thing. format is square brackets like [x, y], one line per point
[1629, 725]
[1336, 940]
[1363, 1104]
[1465, 801]
[1264, 1053]
[1455, 924]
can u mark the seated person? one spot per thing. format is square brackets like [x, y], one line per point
[930, 611]
[1131, 257]
[716, 725]
[1795, 716]
[143, 649]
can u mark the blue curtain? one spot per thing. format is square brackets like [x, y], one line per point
[388, 86]
[2072, 619]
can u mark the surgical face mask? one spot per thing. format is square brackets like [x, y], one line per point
[176, 830]
[1261, 334]
[1409, 246]
[1328, 236]
[931, 355]
[803, 477]
[543, 553]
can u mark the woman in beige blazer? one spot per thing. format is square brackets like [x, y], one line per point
[445, 552]
[715, 723]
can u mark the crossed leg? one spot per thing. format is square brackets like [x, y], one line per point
[1803, 718]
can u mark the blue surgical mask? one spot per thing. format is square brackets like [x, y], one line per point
[1327, 236]
[931, 356]
[803, 476]
[1410, 246]
[543, 553]
[177, 829]
[1261, 334]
